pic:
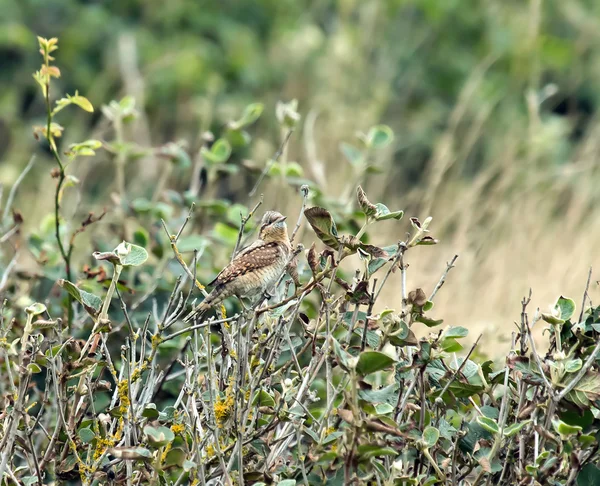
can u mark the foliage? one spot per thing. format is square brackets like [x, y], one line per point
[310, 385]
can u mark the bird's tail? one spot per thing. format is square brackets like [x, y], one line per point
[212, 299]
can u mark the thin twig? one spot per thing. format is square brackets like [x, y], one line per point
[13, 189]
[449, 266]
[271, 162]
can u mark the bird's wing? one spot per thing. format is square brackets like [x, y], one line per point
[257, 255]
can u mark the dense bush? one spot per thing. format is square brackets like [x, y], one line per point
[318, 383]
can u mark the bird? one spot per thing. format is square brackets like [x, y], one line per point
[254, 269]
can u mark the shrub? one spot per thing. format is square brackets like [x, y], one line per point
[312, 384]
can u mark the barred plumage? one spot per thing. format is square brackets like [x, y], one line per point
[254, 269]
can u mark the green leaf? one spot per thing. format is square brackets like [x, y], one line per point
[372, 361]
[565, 307]
[564, 429]
[82, 102]
[368, 451]
[430, 436]
[218, 153]
[76, 99]
[573, 365]
[343, 357]
[488, 424]
[384, 213]
[175, 457]
[131, 255]
[380, 136]
[263, 399]
[150, 411]
[428, 321]
[456, 332]
[33, 368]
[322, 223]
[451, 345]
[86, 148]
[36, 309]
[189, 465]
[287, 482]
[251, 114]
[514, 429]
[293, 169]
[159, 436]
[377, 263]
[352, 154]
[86, 435]
[588, 476]
[90, 302]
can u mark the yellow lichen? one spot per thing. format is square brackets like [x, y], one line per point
[166, 451]
[223, 409]
[210, 450]
[156, 340]
[123, 390]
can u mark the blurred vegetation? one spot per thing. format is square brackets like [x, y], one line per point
[482, 117]
[493, 106]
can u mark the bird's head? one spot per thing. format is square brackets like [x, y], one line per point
[273, 227]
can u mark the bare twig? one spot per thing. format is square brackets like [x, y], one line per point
[449, 266]
[271, 162]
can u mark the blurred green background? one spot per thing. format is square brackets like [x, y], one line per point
[493, 106]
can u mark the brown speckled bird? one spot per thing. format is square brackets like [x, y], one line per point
[254, 269]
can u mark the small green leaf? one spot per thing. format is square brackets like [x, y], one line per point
[189, 465]
[368, 451]
[150, 411]
[565, 307]
[488, 424]
[430, 436]
[251, 114]
[429, 322]
[372, 361]
[36, 309]
[159, 436]
[573, 365]
[33, 368]
[131, 255]
[293, 169]
[263, 399]
[384, 213]
[343, 357]
[82, 102]
[218, 153]
[352, 154]
[86, 148]
[86, 435]
[380, 136]
[287, 482]
[514, 429]
[455, 331]
[175, 457]
[428, 306]
[90, 302]
[564, 429]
